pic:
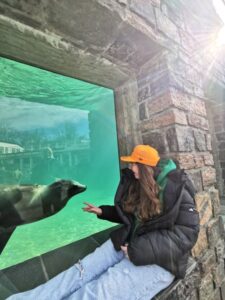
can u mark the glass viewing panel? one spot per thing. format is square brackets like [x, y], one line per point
[53, 127]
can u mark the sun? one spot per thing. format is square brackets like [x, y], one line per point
[220, 39]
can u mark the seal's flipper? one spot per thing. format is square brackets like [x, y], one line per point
[5, 235]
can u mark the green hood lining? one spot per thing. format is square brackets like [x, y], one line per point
[166, 166]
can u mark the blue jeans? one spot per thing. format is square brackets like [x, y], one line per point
[105, 274]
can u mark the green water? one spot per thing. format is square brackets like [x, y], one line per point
[52, 127]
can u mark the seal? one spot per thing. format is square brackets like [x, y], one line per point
[29, 203]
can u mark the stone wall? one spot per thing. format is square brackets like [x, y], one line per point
[173, 118]
[144, 51]
[217, 122]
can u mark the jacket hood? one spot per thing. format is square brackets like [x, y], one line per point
[165, 166]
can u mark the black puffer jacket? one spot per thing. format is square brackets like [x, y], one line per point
[165, 240]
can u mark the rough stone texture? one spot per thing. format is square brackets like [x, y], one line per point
[144, 9]
[144, 93]
[207, 262]
[163, 119]
[142, 112]
[196, 178]
[160, 103]
[218, 273]
[188, 102]
[199, 161]
[217, 294]
[208, 159]
[180, 139]
[206, 289]
[201, 244]
[209, 142]
[156, 140]
[223, 289]
[204, 206]
[197, 121]
[220, 250]
[214, 194]
[186, 161]
[200, 141]
[191, 161]
[213, 232]
[183, 289]
[208, 176]
[128, 133]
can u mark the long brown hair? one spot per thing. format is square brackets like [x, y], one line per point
[142, 196]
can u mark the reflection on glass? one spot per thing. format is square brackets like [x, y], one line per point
[54, 131]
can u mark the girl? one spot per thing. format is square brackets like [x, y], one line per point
[154, 202]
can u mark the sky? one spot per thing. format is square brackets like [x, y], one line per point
[23, 115]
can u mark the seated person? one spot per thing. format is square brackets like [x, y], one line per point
[155, 204]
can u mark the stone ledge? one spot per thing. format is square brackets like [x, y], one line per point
[179, 284]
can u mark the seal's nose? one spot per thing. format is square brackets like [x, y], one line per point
[82, 188]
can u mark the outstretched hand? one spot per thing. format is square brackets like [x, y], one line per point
[124, 249]
[92, 209]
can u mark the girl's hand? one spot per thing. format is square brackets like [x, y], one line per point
[124, 249]
[92, 209]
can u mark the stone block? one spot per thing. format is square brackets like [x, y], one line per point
[142, 111]
[222, 146]
[180, 139]
[198, 121]
[215, 199]
[161, 85]
[223, 290]
[164, 24]
[144, 93]
[63, 20]
[144, 9]
[217, 294]
[182, 289]
[204, 206]
[187, 288]
[21, 276]
[220, 136]
[202, 243]
[196, 178]
[160, 103]
[218, 273]
[199, 161]
[220, 250]
[156, 140]
[7, 288]
[172, 141]
[213, 232]
[197, 106]
[180, 100]
[207, 262]
[186, 161]
[186, 102]
[206, 289]
[163, 119]
[221, 227]
[31, 13]
[131, 47]
[222, 155]
[200, 142]
[208, 159]
[208, 142]
[185, 139]
[208, 176]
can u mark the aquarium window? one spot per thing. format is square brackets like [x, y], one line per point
[53, 129]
